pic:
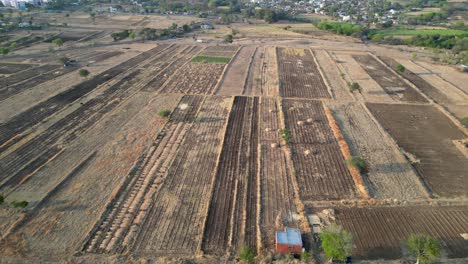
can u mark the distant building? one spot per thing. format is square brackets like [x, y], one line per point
[206, 26]
[288, 241]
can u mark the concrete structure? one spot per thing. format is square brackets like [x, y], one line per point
[288, 241]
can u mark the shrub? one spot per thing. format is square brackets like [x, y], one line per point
[464, 122]
[400, 68]
[19, 204]
[358, 163]
[305, 256]
[354, 86]
[286, 135]
[84, 72]
[58, 42]
[228, 38]
[246, 254]
[164, 113]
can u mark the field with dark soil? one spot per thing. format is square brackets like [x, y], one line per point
[426, 136]
[379, 232]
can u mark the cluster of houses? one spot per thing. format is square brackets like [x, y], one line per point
[21, 4]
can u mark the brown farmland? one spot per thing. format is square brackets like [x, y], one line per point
[380, 232]
[299, 75]
[389, 81]
[319, 164]
[426, 135]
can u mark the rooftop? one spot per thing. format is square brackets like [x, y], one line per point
[291, 236]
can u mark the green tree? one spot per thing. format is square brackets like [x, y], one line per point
[4, 51]
[354, 87]
[337, 243]
[132, 35]
[2, 199]
[186, 28]
[464, 122]
[173, 26]
[246, 254]
[13, 45]
[58, 42]
[83, 72]
[424, 248]
[93, 16]
[228, 38]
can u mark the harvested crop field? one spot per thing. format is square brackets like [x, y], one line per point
[380, 232]
[9, 68]
[427, 136]
[232, 217]
[262, 78]
[176, 218]
[319, 164]
[299, 75]
[235, 77]
[389, 81]
[195, 78]
[277, 205]
[389, 174]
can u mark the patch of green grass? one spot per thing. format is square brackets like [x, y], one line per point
[422, 32]
[210, 59]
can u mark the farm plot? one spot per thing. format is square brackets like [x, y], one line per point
[220, 51]
[380, 232]
[195, 78]
[176, 218]
[74, 35]
[25, 75]
[331, 70]
[262, 78]
[27, 119]
[276, 191]
[426, 135]
[68, 127]
[65, 205]
[389, 81]
[232, 217]
[170, 66]
[353, 72]
[234, 79]
[129, 207]
[389, 173]
[52, 71]
[299, 75]
[320, 168]
[10, 68]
